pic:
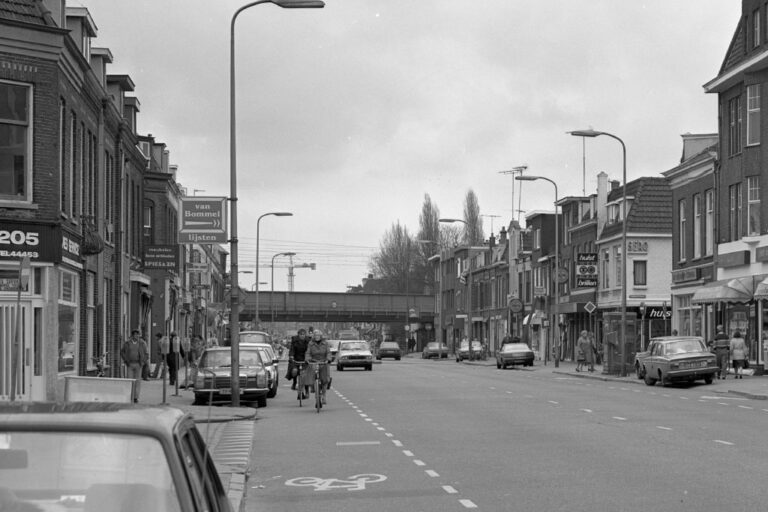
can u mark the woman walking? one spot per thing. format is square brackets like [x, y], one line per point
[738, 353]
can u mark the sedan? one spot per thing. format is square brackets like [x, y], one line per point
[105, 456]
[436, 350]
[511, 354]
[354, 354]
[677, 359]
[213, 376]
[478, 352]
[389, 349]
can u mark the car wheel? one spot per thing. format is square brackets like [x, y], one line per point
[708, 379]
[498, 365]
[397, 359]
[339, 368]
[649, 381]
[272, 392]
[369, 368]
[200, 399]
[639, 371]
[261, 401]
[378, 358]
[664, 381]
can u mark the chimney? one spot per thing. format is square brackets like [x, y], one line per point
[491, 241]
[502, 236]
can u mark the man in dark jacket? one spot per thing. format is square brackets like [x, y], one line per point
[721, 347]
[297, 353]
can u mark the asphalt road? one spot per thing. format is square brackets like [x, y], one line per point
[423, 435]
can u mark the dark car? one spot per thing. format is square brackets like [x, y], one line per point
[389, 349]
[676, 359]
[511, 354]
[436, 350]
[88, 456]
[212, 378]
[478, 351]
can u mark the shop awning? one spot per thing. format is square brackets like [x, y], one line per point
[740, 289]
[761, 290]
[532, 319]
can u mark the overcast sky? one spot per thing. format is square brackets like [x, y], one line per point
[348, 115]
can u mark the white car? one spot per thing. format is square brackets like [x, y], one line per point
[268, 356]
[354, 354]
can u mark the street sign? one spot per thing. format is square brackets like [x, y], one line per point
[516, 305]
[562, 275]
[589, 307]
[203, 220]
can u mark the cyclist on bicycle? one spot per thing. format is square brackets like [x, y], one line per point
[318, 351]
[296, 356]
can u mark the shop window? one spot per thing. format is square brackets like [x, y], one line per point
[68, 321]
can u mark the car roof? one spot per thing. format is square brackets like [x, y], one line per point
[668, 339]
[79, 416]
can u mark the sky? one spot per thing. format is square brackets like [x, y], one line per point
[348, 116]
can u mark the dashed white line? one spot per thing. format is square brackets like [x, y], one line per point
[587, 410]
[397, 443]
[662, 428]
[450, 490]
[727, 443]
[356, 443]
[745, 407]
[408, 453]
[432, 473]
[553, 402]
[619, 418]
[467, 503]
[419, 462]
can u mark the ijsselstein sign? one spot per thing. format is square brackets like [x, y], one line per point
[203, 220]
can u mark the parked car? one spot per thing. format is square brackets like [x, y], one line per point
[271, 362]
[478, 352]
[389, 349]
[354, 354]
[436, 350]
[676, 359]
[511, 354]
[212, 378]
[104, 456]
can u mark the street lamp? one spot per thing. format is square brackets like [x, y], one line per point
[272, 291]
[556, 274]
[439, 301]
[622, 324]
[468, 326]
[276, 214]
[234, 303]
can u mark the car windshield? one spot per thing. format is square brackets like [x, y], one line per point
[683, 347]
[515, 347]
[88, 471]
[219, 358]
[389, 344]
[254, 337]
[357, 345]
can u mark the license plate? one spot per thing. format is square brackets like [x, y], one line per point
[228, 391]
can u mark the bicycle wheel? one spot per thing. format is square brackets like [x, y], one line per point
[300, 386]
[318, 393]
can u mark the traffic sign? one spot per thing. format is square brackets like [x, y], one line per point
[516, 305]
[203, 220]
[589, 307]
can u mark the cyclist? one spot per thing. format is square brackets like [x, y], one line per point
[318, 351]
[296, 355]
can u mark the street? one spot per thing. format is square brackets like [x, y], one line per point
[436, 435]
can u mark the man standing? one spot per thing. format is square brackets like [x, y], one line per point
[721, 347]
[134, 355]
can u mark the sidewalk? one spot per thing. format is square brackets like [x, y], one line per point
[213, 423]
[753, 387]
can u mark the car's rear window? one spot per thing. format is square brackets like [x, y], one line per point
[683, 347]
[254, 337]
[77, 471]
[358, 345]
[515, 347]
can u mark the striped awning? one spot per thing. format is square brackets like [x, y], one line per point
[740, 289]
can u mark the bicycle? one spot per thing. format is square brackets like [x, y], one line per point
[100, 366]
[319, 389]
[299, 367]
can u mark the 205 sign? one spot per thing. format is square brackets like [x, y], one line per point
[18, 237]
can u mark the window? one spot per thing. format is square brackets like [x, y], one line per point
[617, 259]
[537, 238]
[709, 223]
[15, 142]
[69, 319]
[753, 114]
[756, 34]
[697, 226]
[734, 212]
[753, 205]
[734, 126]
[640, 272]
[604, 271]
[681, 229]
[148, 224]
[613, 213]
[90, 313]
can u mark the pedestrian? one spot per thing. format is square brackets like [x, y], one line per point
[145, 366]
[172, 358]
[583, 346]
[597, 351]
[506, 339]
[198, 345]
[161, 343]
[738, 353]
[721, 346]
[134, 354]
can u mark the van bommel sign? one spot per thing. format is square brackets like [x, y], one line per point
[203, 220]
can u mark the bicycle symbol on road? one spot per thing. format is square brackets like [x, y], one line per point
[353, 483]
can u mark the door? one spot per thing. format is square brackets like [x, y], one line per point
[22, 351]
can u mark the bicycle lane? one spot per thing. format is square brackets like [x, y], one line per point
[340, 459]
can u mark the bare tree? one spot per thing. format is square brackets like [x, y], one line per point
[394, 263]
[428, 244]
[473, 230]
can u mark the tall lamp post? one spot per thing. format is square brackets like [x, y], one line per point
[622, 324]
[258, 221]
[555, 276]
[468, 326]
[272, 291]
[234, 315]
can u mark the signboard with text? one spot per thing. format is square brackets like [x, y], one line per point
[161, 257]
[586, 270]
[203, 220]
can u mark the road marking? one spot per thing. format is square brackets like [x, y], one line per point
[397, 443]
[368, 419]
[419, 462]
[619, 418]
[408, 453]
[467, 503]
[587, 410]
[553, 402]
[356, 443]
[380, 428]
[765, 410]
[683, 398]
[450, 490]
[375, 424]
[389, 434]
[723, 398]
[663, 428]
[432, 473]
[745, 407]
[723, 442]
[353, 483]
[363, 415]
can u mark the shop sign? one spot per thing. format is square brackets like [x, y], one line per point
[203, 220]
[39, 242]
[637, 246]
[660, 313]
[161, 257]
[586, 270]
[688, 274]
[733, 259]
[761, 253]
[70, 250]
